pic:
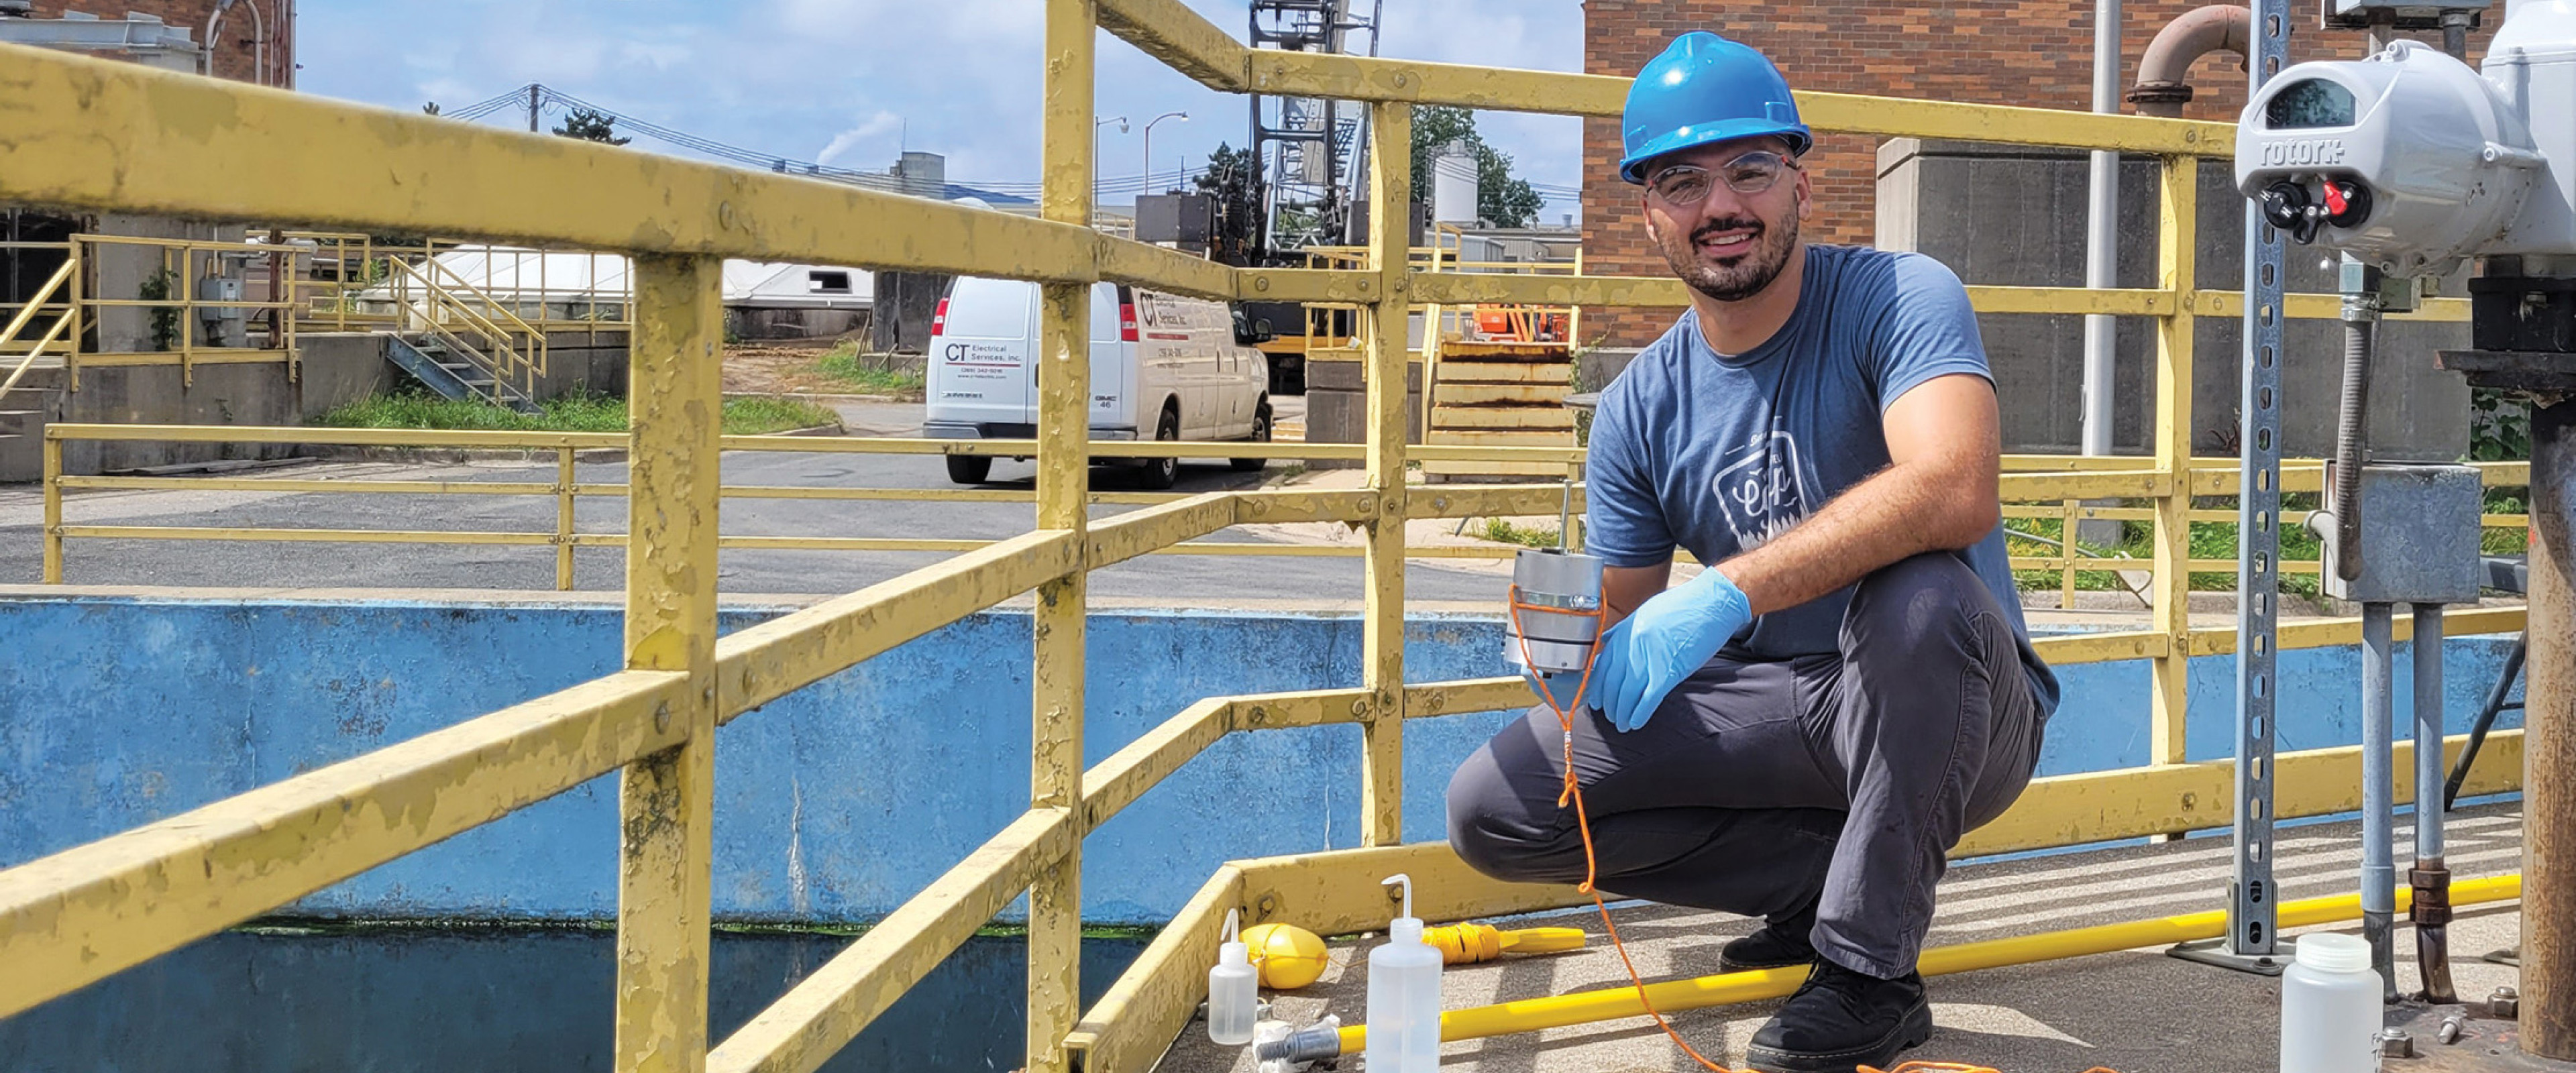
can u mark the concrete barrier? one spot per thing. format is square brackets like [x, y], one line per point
[836, 803]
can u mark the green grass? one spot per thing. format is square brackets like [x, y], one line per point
[578, 413]
[844, 365]
[1505, 532]
[2216, 540]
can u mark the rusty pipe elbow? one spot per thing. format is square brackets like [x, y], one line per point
[2161, 89]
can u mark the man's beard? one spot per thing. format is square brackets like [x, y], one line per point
[1764, 257]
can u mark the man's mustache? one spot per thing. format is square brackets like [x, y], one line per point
[1732, 223]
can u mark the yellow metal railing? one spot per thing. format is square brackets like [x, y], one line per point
[1449, 501]
[431, 298]
[342, 282]
[188, 146]
[59, 290]
[164, 313]
[2027, 477]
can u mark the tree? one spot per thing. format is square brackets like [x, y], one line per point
[591, 126]
[1502, 199]
[1231, 178]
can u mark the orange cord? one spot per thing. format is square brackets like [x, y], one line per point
[1573, 793]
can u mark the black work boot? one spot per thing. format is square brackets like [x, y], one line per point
[1842, 1019]
[1780, 944]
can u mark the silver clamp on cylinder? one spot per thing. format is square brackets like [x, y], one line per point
[1556, 611]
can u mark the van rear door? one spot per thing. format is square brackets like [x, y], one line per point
[979, 358]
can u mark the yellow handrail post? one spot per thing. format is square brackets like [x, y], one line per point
[1064, 474]
[53, 477]
[72, 346]
[2171, 604]
[187, 283]
[667, 799]
[1382, 632]
[2066, 547]
[564, 476]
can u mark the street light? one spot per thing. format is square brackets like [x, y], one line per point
[1095, 148]
[1148, 186]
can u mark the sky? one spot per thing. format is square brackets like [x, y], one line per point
[851, 83]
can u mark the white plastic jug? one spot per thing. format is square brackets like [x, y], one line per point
[2330, 1007]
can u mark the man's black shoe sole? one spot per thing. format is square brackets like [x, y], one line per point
[1909, 1033]
[1727, 964]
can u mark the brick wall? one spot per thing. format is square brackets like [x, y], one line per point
[234, 55]
[2037, 54]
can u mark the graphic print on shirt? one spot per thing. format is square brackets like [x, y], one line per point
[1764, 488]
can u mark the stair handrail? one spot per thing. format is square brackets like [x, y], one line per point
[499, 313]
[509, 370]
[506, 368]
[59, 282]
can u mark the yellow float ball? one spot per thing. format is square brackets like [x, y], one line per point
[1290, 957]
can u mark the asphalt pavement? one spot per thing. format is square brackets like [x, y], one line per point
[1178, 580]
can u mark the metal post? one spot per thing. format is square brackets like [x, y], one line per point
[563, 518]
[2548, 719]
[2378, 793]
[532, 107]
[2102, 236]
[53, 462]
[2252, 904]
[667, 801]
[1064, 471]
[2175, 223]
[2431, 909]
[1382, 640]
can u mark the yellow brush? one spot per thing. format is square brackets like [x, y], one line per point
[1467, 944]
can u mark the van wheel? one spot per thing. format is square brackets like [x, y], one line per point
[1159, 473]
[969, 469]
[1260, 434]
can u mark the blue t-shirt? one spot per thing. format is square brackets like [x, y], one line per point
[1719, 453]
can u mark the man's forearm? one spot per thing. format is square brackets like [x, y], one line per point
[1899, 512]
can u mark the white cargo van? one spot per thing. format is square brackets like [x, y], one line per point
[1163, 367]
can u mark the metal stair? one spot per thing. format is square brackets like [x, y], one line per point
[24, 411]
[454, 369]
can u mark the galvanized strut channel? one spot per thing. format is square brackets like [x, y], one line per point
[92, 910]
[2253, 913]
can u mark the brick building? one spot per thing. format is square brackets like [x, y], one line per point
[2036, 53]
[254, 42]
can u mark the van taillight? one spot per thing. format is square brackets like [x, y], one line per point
[939, 318]
[1126, 322]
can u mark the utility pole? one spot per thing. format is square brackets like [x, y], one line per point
[532, 107]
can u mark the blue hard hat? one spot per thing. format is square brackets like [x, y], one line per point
[1702, 89]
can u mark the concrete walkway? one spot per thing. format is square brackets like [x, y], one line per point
[2134, 1012]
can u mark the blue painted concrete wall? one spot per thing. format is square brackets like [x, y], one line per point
[837, 803]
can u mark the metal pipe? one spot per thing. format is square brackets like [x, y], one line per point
[2161, 89]
[2378, 792]
[2102, 239]
[2549, 703]
[2495, 705]
[2455, 33]
[1674, 996]
[2431, 879]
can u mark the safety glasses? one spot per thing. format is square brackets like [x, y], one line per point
[1685, 185]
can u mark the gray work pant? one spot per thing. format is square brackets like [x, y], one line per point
[1760, 787]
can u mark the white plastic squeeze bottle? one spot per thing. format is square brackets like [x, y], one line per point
[1234, 995]
[2330, 1007]
[1404, 996]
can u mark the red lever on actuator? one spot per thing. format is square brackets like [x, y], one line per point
[2335, 202]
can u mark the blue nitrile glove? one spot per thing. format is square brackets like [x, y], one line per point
[1673, 633]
